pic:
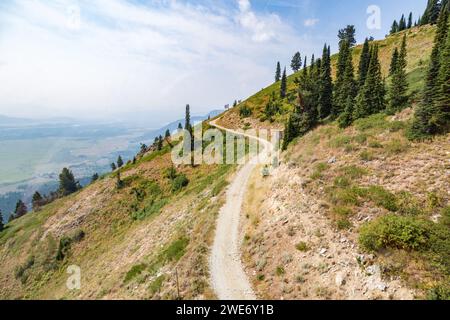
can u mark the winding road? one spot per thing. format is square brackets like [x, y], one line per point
[228, 277]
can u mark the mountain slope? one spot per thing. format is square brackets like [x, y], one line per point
[419, 42]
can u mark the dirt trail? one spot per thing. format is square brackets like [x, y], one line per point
[227, 274]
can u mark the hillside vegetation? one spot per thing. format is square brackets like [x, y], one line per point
[419, 42]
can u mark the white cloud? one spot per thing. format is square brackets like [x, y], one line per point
[310, 22]
[123, 58]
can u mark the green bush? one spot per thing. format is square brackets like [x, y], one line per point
[393, 231]
[245, 111]
[156, 285]
[382, 198]
[179, 182]
[440, 292]
[63, 249]
[134, 272]
[302, 246]
[343, 224]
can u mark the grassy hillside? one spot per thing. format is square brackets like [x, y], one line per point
[127, 241]
[419, 42]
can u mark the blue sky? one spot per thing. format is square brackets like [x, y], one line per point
[118, 59]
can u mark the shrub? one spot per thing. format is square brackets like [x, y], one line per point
[382, 198]
[302, 246]
[366, 156]
[156, 284]
[343, 224]
[440, 292]
[179, 182]
[135, 271]
[63, 249]
[280, 271]
[245, 111]
[393, 231]
[176, 249]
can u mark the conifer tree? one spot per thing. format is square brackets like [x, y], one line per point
[187, 125]
[67, 182]
[2, 226]
[340, 93]
[305, 65]
[113, 166]
[410, 21]
[394, 28]
[364, 62]
[394, 61]
[95, 177]
[180, 126]
[167, 134]
[402, 23]
[398, 97]
[428, 117]
[159, 145]
[348, 94]
[296, 62]
[326, 85]
[347, 35]
[21, 209]
[36, 200]
[119, 162]
[371, 97]
[431, 13]
[283, 85]
[278, 72]
[443, 87]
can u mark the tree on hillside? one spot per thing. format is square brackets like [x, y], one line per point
[296, 62]
[37, 201]
[21, 209]
[67, 183]
[431, 13]
[119, 162]
[167, 134]
[364, 62]
[428, 117]
[2, 226]
[342, 76]
[398, 91]
[347, 95]
[189, 143]
[394, 61]
[159, 145]
[278, 72]
[371, 97]
[402, 23]
[347, 35]
[95, 177]
[272, 107]
[187, 119]
[283, 85]
[113, 166]
[305, 63]
[394, 28]
[326, 85]
[443, 85]
[180, 126]
[410, 21]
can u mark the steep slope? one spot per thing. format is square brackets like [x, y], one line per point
[303, 225]
[419, 42]
[144, 240]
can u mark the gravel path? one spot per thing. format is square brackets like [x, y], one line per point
[227, 274]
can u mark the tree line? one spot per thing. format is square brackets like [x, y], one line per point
[359, 94]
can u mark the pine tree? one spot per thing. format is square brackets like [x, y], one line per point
[296, 62]
[278, 72]
[119, 162]
[364, 62]
[428, 118]
[410, 21]
[67, 183]
[2, 226]
[347, 35]
[431, 13]
[348, 94]
[119, 181]
[187, 125]
[94, 177]
[283, 86]
[326, 85]
[394, 61]
[159, 145]
[341, 92]
[398, 97]
[113, 166]
[371, 97]
[180, 126]
[167, 134]
[443, 87]
[394, 28]
[402, 23]
[36, 200]
[21, 209]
